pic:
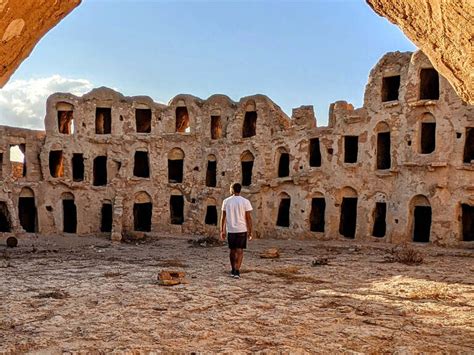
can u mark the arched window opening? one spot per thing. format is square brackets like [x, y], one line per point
[317, 216]
[143, 120]
[348, 219]
[421, 210]
[469, 146]
[175, 165]
[216, 127]
[27, 210]
[384, 160]
[211, 215]
[177, 209]
[142, 212]
[427, 134]
[380, 225]
[211, 171]
[283, 219]
[69, 213]
[141, 167]
[314, 153]
[182, 120]
[429, 84]
[467, 222]
[247, 160]
[5, 220]
[100, 171]
[283, 163]
[106, 217]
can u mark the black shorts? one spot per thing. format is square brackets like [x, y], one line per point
[237, 240]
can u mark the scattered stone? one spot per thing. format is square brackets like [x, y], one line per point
[272, 253]
[319, 261]
[12, 242]
[206, 242]
[171, 278]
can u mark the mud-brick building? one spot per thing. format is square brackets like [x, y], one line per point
[401, 168]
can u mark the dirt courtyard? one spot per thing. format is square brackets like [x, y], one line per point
[69, 294]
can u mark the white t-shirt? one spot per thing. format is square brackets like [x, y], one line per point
[235, 208]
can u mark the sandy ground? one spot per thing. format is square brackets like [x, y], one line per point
[70, 294]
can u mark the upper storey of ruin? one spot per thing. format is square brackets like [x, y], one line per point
[400, 82]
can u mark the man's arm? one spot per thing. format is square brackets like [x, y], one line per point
[248, 219]
[223, 225]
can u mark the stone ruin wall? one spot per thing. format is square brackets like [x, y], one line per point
[440, 181]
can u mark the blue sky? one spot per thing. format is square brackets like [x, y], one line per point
[296, 52]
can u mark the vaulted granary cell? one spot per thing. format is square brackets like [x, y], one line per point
[314, 152]
[380, 225]
[351, 149]
[78, 167]
[390, 88]
[421, 219]
[177, 209]
[249, 128]
[65, 113]
[106, 217]
[103, 120]
[317, 216]
[142, 212]
[143, 120]
[175, 165]
[348, 220]
[182, 119]
[468, 155]
[283, 163]
[18, 160]
[69, 213]
[211, 171]
[283, 218]
[384, 160]
[429, 84]
[56, 163]
[100, 171]
[427, 134]
[216, 127]
[247, 160]
[27, 210]
[141, 167]
[1, 165]
[211, 215]
[467, 222]
[5, 221]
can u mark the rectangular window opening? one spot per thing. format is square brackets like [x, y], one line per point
[175, 170]
[284, 165]
[142, 213]
[100, 171]
[177, 209]
[211, 216]
[467, 222]
[103, 120]
[317, 216]
[469, 145]
[69, 216]
[56, 163]
[249, 128]
[27, 213]
[422, 224]
[314, 153]
[283, 219]
[428, 137]
[18, 160]
[216, 127]
[211, 174]
[141, 166]
[429, 84]
[390, 87]
[247, 167]
[351, 149]
[143, 120]
[77, 167]
[5, 221]
[182, 119]
[380, 225]
[65, 122]
[348, 221]
[383, 151]
[106, 218]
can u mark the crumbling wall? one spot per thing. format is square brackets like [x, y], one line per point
[366, 177]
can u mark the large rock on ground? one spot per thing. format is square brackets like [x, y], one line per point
[22, 24]
[442, 29]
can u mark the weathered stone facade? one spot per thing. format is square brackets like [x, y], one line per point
[400, 168]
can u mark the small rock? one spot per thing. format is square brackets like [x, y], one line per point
[171, 278]
[271, 253]
[319, 262]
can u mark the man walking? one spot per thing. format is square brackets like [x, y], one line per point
[236, 221]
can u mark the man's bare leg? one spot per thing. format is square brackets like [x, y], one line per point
[238, 258]
[233, 258]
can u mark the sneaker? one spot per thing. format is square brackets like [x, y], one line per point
[237, 274]
[232, 273]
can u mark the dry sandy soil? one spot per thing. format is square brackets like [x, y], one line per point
[70, 294]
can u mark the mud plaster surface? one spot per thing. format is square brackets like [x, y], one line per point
[108, 298]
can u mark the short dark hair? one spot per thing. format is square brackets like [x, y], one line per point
[236, 187]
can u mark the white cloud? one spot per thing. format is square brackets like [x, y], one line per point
[23, 102]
